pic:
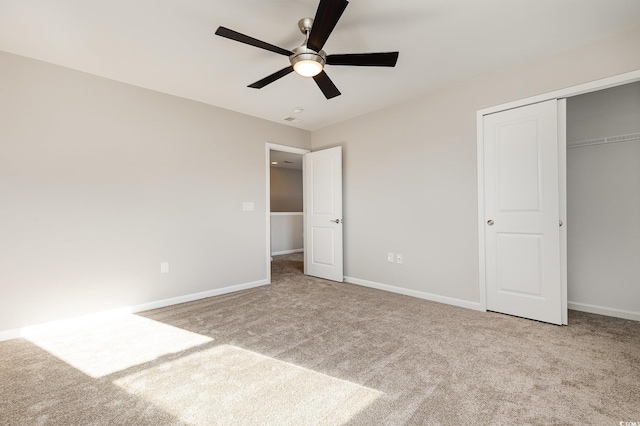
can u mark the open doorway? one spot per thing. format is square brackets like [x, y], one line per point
[322, 210]
[285, 201]
[286, 204]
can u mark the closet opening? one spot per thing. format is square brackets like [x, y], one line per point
[603, 201]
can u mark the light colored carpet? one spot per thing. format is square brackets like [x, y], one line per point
[305, 351]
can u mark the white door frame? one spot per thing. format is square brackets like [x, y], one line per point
[284, 148]
[593, 86]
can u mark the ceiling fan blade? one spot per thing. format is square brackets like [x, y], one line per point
[326, 85]
[234, 35]
[327, 16]
[271, 78]
[383, 59]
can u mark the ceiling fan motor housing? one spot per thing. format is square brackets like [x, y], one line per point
[303, 53]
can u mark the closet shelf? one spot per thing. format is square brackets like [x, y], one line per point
[602, 141]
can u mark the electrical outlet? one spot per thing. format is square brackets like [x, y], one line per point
[164, 267]
[399, 258]
[390, 257]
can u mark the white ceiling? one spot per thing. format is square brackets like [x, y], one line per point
[170, 46]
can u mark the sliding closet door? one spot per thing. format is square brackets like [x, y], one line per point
[522, 253]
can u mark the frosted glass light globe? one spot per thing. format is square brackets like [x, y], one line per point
[308, 68]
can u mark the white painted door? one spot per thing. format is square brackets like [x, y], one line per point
[323, 214]
[522, 212]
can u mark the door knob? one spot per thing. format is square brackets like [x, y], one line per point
[561, 223]
[335, 221]
[490, 222]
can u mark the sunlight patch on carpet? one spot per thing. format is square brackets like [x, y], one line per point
[100, 345]
[229, 385]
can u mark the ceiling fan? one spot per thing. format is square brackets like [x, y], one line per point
[309, 59]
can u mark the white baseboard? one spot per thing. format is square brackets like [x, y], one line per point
[14, 334]
[603, 310]
[9, 334]
[414, 293]
[196, 296]
[277, 253]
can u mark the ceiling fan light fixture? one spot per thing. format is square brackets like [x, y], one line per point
[306, 62]
[307, 68]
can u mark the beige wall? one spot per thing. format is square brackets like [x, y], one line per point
[286, 233]
[410, 182]
[286, 190]
[603, 197]
[611, 112]
[101, 181]
[286, 196]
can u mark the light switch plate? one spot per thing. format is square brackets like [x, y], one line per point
[248, 206]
